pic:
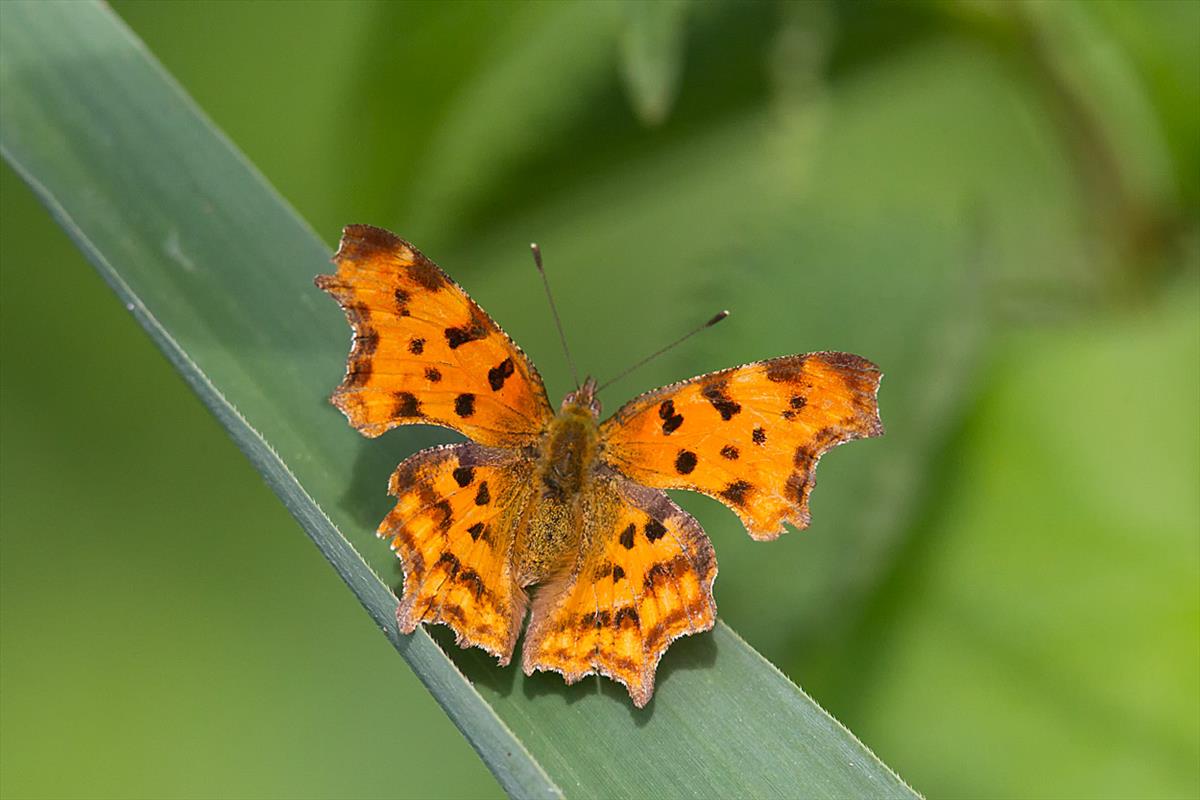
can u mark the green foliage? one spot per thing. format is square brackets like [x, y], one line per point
[996, 201]
[203, 252]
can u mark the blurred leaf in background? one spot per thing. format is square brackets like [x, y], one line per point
[996, 201]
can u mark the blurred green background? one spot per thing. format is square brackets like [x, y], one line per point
[996, 201]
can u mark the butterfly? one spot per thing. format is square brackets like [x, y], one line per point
[562, 500]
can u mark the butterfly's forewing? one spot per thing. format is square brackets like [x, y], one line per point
[642, 579]
[425, 352]
[457, 512]
[749, 436]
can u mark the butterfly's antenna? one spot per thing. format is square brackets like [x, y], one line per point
[658, 353]
[537, 259]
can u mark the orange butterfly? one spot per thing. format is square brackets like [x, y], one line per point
[565, 500]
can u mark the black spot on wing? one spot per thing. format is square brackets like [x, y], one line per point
[759, 436]
[797, 402]
[617, 573]
[451, 561]
[464, 405]
[737, 492]
[670, 420]
[717, 396]
[657, 574]
[476, 531]
[407, 405]
[730, 452]
[655, 530]
[433, 374]
[458, 336]
[594, 619]
[471, 577]
[498, 374]
[685, 462]
[402, 298]
[416, 346]
[625, 614]
[482, 495]
[444, 509]
[627, 536]
[463, 476]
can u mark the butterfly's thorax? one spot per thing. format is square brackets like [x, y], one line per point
[565, 468]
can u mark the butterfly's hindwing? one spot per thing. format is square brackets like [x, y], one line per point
[642, 579]
[456, 515]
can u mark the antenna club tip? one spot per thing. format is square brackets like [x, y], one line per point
[719, 316]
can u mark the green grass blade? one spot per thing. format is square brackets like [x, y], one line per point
[652, 43]
[217, 268]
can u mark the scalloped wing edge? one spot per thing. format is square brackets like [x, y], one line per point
[361, 238]
[802, 489]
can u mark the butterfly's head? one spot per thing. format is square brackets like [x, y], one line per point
[583, 398]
